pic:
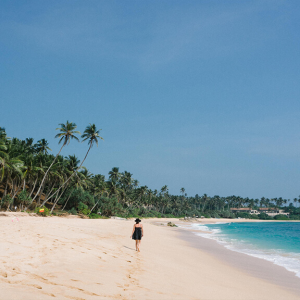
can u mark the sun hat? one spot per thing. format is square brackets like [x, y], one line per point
[138, 220]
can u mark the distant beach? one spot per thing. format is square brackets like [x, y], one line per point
[73, 258]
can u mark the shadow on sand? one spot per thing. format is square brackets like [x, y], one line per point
[129, 248]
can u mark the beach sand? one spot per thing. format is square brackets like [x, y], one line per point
[72, 258]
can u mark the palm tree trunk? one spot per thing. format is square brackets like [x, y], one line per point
[40, 195]
[94, 206]
[72, 174]
[16, 191]
[33, 187]
[50, 190]
[54, 202]
[67, 200]
[5, 191]
[48, 171]
[57, 200]
[46, 197]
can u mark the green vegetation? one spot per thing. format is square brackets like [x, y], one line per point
[31, 178]
[43, 211]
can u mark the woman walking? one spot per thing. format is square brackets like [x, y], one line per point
[137, 234]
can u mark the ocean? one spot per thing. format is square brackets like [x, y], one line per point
[278, 242]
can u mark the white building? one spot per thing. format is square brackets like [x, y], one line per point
[269, 211]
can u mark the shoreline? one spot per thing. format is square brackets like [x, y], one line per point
[254, 266]
[73, 258]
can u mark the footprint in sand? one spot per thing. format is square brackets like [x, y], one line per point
[36, 286]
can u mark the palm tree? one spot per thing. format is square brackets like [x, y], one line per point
[126, 180]
[3, 154]
[114, 175]
[295, 201]
[42, 146]
[182, 191]
[3, 133]
[164, 189]
[78, 182]
[67, 132]
[205, 199]
[29, 142]
[11, 168]
[135, 183]
[92, 134]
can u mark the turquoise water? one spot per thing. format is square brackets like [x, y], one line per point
[278, 242]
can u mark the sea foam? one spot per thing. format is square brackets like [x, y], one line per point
[290, 260]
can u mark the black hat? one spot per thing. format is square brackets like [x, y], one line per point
[138, 220]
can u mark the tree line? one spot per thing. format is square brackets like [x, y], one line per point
[32, 177]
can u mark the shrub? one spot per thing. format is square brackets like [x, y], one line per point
[206, 215]
[23, 197]
[243, 215]
[215, 215]
[110, 206]
[82, 206]
[226, 214]
[281, 217]
[143, 211]
[78, 196]
[73, 211]
[264, 216]
[95, 216]
[83, 209]
[149, 215]
[169, 216]
[294, 217]
[7, 200]
[157, 214]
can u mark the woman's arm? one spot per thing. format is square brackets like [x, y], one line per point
[132, 230]
[142, 230]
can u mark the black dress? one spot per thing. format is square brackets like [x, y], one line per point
[137, 235]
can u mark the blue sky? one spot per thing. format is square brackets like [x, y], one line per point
[196, 94]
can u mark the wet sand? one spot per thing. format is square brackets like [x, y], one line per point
[256, 267]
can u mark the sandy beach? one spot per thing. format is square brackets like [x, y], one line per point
[73, 258]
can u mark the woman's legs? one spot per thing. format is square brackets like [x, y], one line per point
[138, 245]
